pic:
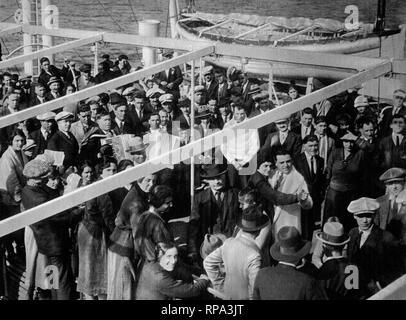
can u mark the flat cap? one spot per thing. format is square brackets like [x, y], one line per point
[129, 91]
[393, 174]
[154, 91]
[85, 67]
[199, 89]
[207, 70]
[29, 145]
[63, 115]
[167, 97]
[281, 120]
[105, 56]
[255, 88]
[25, 77]
[116, 98]
[363, 205]
[46, 116]
[361, 101]
[400, 93]
[122, 57]
[36, 168]
[349, 137]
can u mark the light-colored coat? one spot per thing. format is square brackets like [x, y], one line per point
[242, 260]
[12, 179]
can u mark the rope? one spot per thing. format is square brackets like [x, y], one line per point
[109, 14]
[135, 20]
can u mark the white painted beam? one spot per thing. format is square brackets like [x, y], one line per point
[48, 51]
[10, 30]
[194, 148]
[103, 87]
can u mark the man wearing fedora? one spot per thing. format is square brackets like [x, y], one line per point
[48, 71]
[85, 80]
[63, 140]
[210, 83]
[43, 134]
[240, 269]
[284, 281]
[55, 86]
[214, 208]
[371, 249]
[334, 271]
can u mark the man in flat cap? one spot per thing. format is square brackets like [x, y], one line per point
[43, 134]
[168, 104]
[63, 140]
[85, 80]
[172, 76]
[371, 248]
[153, 95]
[394, 180]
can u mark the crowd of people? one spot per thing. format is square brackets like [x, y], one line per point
[338, 166]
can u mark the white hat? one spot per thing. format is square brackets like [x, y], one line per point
[63, 115]
[154, 90]
[46, 116]
[361, 101]
[166, 98]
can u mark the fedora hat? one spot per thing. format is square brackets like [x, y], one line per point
[333, 234]
[290, 247]
[137, 145]
[212, 171]
[210, 243]
[253, 219]
[53, 79]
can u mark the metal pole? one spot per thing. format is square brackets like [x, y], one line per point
[192, 133]
[173, 17]
[27, 14]
[96, 58]
[148, 28]
[49, 20]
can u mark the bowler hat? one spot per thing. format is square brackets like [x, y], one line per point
[36, 169]
[54, 79]
[212, 171]
[253, 219]
[210, 243]
[393, 174]
[363, 205]
[116, 98]
[290, 247]
[333, 234]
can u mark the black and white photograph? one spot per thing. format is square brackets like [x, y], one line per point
[202, 152]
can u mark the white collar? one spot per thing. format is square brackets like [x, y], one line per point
[287, 264]
[367, 232]
[332, 258]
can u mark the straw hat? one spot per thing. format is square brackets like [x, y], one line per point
[253, 219]
[210, 243]
[333, 234]
[137, 145]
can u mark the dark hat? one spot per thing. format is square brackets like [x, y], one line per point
[290, 247]
[253, 219]
[393, 174]
[223, 102]
[105, 56]
[236, 91]
[210, 243]
[29, 145]
[211, 171]
[53, 79]
[333, 234]
[184, 103]
[87, 67]
[116, 98]
[36, 169]
[106, 150]
[122, 56]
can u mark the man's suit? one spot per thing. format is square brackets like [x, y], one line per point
[240, 269]
[386, 116]
[211, 216]
[283, 282]
[78, 130]
[44, 77]
[264, 131]
[317, 187]
[220, 121]
[298, 130]
[174, 76]
[128, 126]
[35, 101]
[376, 259]
[222, 91]
[389, 155]
[141, 125]
[40, 141]
[292, 144]
[69, 146]
[211, 91]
